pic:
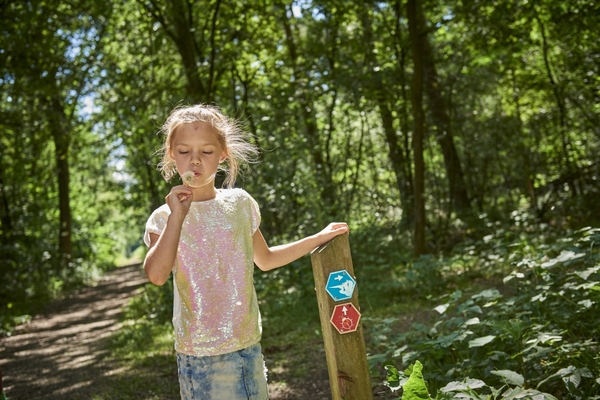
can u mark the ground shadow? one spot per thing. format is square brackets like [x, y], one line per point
[60, 353]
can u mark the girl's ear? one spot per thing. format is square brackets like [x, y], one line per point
[223, 157]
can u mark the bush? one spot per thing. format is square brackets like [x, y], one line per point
[540, 325]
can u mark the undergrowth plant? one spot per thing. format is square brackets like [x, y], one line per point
[535, 334]
[414, 387]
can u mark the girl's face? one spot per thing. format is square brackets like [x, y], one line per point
[195, 147]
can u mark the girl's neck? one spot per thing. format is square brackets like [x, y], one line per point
[205, 193]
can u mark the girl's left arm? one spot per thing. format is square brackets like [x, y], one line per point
[268, 258]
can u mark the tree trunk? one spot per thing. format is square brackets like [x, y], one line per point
[6, 226]
[180, 25]
[183, 36]
[323, 169]
[524, 150]
[560, 104]
[60, 135]
[402, 112]
[415, 29]
[395, 151]
[444, 136]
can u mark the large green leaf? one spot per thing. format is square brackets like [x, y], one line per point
[511, 377]
[415, 388]
[481, 341]
[521, 393]
[464, 385]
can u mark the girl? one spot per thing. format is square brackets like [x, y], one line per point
[210, 240]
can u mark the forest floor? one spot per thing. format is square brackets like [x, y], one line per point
[65, 353]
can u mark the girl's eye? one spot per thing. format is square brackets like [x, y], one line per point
[207, 152]
[183, 152]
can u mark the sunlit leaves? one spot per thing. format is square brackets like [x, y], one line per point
[481, 341]
[565, 256]
[465, 385]
[511, 377]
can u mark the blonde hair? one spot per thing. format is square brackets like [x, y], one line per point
[231, 136]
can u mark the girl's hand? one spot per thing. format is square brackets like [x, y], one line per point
[179, 200]
[332, 230]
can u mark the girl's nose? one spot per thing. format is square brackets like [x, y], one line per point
[196, 160]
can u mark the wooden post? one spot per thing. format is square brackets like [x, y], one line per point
[346, 353]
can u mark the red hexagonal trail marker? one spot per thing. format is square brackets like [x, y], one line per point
[340, 323]
[345, 318]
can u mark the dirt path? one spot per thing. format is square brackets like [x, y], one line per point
[62, 354]
[56, 355]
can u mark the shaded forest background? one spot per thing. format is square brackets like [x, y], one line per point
[424, 124]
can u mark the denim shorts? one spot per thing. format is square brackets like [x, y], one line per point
[232, 376]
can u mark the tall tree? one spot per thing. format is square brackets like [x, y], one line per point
[443, 127]
[48, 52]
[61, 134]
[400, 163]
[416, 38]
[196, 35]
[307, 109]
[54, 67]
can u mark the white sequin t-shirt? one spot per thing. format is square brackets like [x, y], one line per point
[215, 310]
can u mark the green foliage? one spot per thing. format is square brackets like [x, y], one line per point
[538, 332]
[154, 304]
[59, 217]
[414, 387]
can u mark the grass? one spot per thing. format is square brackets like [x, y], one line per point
[143, 351]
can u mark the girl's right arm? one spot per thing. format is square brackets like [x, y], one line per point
[163, 248]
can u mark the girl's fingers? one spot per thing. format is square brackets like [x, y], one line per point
[182, 192]
[183, 197]
[339, 226]
[334, 229]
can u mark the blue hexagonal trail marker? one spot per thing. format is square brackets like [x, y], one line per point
[340, 285]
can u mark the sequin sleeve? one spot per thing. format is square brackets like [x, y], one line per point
[255, 211]
[156, 223]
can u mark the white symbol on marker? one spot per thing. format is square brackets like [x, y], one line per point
[345, 288]
[345, 310]
[339, 277]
